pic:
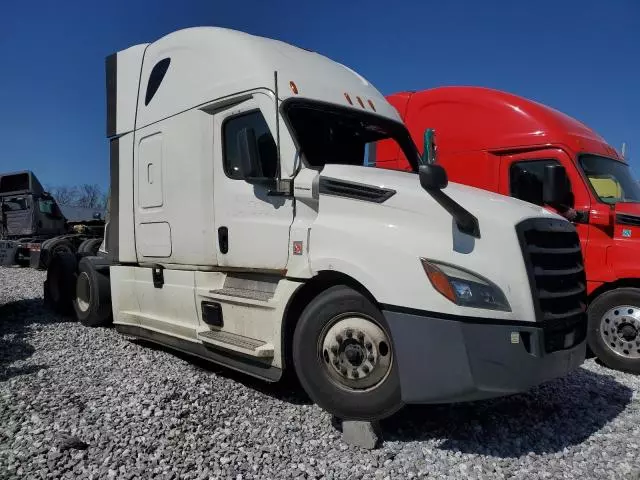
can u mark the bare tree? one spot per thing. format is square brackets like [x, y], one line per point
[90, 196]
[64, 195]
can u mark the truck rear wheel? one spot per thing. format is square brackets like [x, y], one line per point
[60, 284]
[344, 358]
[53, 246]
[92, 301]
[93, 245]
[614, 329]
[90, 246]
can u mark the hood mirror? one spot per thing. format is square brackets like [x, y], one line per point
[555, 185]
[432, 177]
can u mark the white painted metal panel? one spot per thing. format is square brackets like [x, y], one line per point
[154, 239]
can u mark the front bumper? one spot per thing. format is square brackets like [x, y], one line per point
[449, 360]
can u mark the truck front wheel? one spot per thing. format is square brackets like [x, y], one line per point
[614, 329]
[344, 357]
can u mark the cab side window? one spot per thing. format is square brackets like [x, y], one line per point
[265, 145]
[526, 178]
[46, 206]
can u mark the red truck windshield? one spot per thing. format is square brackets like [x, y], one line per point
[611, 180]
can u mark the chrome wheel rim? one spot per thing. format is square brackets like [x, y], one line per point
[356, 352]
[620, 330]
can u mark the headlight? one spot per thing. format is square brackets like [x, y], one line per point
[465, 288]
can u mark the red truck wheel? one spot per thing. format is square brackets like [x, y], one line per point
[614, 329]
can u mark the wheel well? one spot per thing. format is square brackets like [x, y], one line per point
[607, 287]
[301, 298]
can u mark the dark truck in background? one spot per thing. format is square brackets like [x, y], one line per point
[33, 226]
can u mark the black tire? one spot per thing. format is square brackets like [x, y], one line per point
[44, 253]
[598, 310]
[82, 248]
[93, 245]
[92, 302]
[59, 287]
[313, 370]
[54, 246]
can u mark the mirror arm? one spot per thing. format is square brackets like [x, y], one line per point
[465, 220]
[284, 188]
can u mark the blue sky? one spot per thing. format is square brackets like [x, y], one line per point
[581, 57]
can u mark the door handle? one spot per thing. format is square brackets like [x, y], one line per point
[223, 239]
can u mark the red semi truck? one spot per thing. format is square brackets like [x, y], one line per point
[501, 142]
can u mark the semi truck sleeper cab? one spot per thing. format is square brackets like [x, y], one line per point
[244, 228]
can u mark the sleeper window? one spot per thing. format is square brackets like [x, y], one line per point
[155, 79]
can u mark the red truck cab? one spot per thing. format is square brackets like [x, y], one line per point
[502, 142]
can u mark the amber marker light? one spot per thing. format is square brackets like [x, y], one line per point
[439, 280]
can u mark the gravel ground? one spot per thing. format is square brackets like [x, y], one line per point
[87, 403]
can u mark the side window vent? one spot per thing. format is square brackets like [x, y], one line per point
[155, 79]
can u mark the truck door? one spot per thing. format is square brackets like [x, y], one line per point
[252, 225]
[521, 176]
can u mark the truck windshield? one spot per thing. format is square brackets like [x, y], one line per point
[329, 134]
[610, 179]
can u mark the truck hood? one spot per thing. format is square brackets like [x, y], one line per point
[632, 209]
[384, 238]
[410, 196]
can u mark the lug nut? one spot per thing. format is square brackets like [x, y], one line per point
[365, 369]
[349, 333]
[368, 345]
[355, 373]
[360, 336]
[334, 349]
[370, 357]
[339, 339]
[343, 371]
[336, 362]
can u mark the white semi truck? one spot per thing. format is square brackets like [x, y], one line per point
[244, 228]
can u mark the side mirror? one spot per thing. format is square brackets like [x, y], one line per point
[433, 177]
[248, 151]
[429, 147]
[555, 185]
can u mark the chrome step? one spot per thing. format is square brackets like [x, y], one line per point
[237, 343]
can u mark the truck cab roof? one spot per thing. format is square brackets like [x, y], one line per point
[19, 183]
[493, 120]
[194, 66]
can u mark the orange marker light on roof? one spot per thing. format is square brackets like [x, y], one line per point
[360, 102]
[346, 95]
[293, 87]
[373, 107]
